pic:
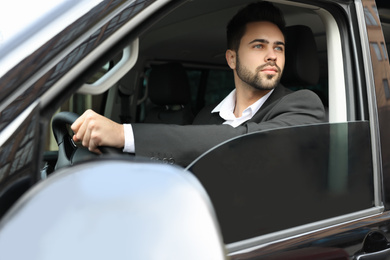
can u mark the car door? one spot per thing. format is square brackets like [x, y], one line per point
[314, 191]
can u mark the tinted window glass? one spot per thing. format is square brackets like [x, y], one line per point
[209, 86]
[219, 84]
[273, 180]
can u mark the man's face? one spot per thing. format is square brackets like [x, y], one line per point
[260, 58]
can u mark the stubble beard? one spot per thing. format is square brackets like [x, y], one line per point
[257, 81]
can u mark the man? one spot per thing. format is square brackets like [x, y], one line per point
[256, 55]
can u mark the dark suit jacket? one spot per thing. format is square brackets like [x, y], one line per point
[183, 144]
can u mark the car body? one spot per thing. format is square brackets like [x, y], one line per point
[318, 191]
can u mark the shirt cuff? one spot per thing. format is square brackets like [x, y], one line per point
[129, 146]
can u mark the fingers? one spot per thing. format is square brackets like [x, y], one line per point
[79, 133]
[84, 128]
[94, 130]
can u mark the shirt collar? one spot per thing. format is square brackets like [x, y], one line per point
[226, 106]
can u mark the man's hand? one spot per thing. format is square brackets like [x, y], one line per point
[94, 130]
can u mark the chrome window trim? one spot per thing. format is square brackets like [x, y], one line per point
[252, 244]
[336, 85]
[98, 51]
[372, 106]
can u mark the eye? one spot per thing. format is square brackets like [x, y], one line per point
[279, 48]
[258, 46]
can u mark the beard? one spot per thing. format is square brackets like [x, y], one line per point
[255, 80]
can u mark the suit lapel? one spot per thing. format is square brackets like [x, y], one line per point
[206, 117]
[215, 119]
[279, 92]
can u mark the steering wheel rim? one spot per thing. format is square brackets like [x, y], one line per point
[68, 152]
[59, 123]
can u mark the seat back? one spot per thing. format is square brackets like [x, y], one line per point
[302, 65]
[169, 92]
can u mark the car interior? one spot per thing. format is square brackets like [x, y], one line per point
[177, 66]
[196, 40]
[180, 65]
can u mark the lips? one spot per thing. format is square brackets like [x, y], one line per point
[269, 67]
[270, 70]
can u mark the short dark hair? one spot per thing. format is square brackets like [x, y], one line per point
[255, 12]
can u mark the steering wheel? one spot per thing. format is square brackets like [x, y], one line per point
[68, 152]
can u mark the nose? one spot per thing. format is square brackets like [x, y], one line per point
[271, 55]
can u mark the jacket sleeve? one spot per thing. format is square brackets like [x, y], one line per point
[183, 144]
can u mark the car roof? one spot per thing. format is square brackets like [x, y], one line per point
[182, 35]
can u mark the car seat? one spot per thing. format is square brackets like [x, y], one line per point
[169, 93]
[302, 67]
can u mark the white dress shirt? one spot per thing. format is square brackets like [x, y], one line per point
[225, 110]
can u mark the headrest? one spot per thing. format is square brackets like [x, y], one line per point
[302, 65]
[168, 84]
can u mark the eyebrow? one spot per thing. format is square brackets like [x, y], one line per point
[267, 42]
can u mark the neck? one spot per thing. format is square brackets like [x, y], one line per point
[246, 97]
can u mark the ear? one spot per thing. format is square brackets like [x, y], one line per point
[231, 58]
